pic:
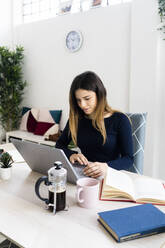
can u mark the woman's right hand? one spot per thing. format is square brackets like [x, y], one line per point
[78, 157]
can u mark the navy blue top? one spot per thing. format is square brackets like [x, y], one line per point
[117, 151]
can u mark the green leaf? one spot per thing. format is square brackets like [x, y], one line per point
[6, 160]
[161, 12]
[12, 86]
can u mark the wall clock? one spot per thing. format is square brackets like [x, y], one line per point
[74, 40]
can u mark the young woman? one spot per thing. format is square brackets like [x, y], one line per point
[103, 135]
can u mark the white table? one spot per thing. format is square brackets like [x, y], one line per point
[24, 220]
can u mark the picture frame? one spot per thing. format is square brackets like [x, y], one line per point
[65, 6]
[96, 3]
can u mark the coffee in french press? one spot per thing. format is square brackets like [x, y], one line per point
[56, 182]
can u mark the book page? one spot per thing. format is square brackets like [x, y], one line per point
[147, 187]
[120, 181]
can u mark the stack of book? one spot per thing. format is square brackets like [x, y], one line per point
[137, 221]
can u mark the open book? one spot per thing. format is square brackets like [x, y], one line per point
[127, 186]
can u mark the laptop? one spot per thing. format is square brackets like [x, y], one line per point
[41, 158]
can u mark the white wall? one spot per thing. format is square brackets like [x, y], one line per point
[6, 30]
[159, 168]
[50, 67]
[147, 90]
[144, 71]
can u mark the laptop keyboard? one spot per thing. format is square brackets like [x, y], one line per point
[79, 169]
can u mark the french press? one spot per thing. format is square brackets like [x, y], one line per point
[56, 182]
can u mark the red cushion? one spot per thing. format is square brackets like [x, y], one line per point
[31, 123]
[42, 127]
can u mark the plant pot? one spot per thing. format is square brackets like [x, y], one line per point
[5, 173]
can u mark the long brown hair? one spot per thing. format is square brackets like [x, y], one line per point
[88, 81]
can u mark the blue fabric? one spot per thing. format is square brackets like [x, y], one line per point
[25, 109]
[117, 151]
[138, 121]
[56, 115]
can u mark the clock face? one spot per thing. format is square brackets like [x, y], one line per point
[74, 41]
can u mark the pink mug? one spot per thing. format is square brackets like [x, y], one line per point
[87, 192]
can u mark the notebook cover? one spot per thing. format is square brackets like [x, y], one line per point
[133, 222]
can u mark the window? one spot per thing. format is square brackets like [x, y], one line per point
[41, 9]
[38, 9]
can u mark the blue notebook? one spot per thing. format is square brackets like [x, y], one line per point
[133, 222]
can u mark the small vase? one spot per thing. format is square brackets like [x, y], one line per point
[5, 173]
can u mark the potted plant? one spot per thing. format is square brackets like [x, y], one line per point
[11, 87]
[5, 165]
[161, 12]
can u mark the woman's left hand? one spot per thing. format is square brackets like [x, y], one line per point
[96, 169]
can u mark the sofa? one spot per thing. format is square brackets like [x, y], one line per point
[38, 125]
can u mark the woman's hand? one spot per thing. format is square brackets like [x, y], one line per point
[78, 157]
[96, 169]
